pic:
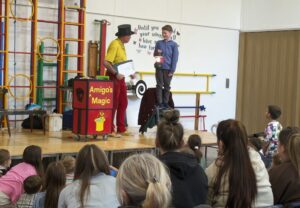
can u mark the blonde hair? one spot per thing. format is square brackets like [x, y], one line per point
[293, 150]
[69, 164]
[146, 182]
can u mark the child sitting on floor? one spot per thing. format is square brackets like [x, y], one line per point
[193, 146]
[11, 184]
[194, 142]
[69, 164]
[32, 185]
[256, 143]
[5, 161]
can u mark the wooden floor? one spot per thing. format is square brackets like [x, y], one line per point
[54, 143]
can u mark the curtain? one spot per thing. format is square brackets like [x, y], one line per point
[268, 74]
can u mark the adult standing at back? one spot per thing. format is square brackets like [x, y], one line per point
[167, 52]
[116, 53]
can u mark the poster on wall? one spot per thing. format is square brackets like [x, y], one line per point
[147, 35]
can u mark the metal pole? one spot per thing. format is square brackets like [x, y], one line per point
[6, 46]
[196, 126]
[1, 48]
[61, 31]
[81, 36]
[15, 40]
[102, 45]
[66, 67]
[40, 75]
[33, 59]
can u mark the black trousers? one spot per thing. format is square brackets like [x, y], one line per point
[163, 81]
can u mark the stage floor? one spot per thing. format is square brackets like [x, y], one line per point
[55, 144]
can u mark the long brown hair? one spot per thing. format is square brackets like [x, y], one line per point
[194, 142]
[285, 134]
[169, 135]
[91, 160]
[55, 180]
[236, 165]
[293, 151]
[33, 155]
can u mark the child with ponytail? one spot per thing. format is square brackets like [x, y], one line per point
[143, 181]
[194, 143]
[189, 182]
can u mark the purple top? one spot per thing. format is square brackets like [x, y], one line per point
[169, 52]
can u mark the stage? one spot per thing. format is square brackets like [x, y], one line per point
[58, 144]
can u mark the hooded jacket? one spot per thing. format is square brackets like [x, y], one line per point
[189, 182]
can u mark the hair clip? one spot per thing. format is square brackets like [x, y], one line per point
[155, 179]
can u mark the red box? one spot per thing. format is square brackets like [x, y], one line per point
[92, 122]
[92, 106]
[92, 94]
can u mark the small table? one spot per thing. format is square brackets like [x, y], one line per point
[5, 113]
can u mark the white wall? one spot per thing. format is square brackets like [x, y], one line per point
[266, 15]
[209, 32]
[211, 13]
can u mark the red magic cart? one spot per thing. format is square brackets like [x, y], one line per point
[92, 108]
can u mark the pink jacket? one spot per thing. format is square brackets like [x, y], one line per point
[11, 183]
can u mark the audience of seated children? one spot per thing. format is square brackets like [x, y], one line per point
[238, 177]
[284, 177]
[92, 187]
[143, 181]
[5, 161]
[11, 184]
[189, 182]
[69, 164]
[272, 131]
[54, 182]
[32, 185]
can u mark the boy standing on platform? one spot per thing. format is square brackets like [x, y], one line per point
[166, 51]
[116, 53]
